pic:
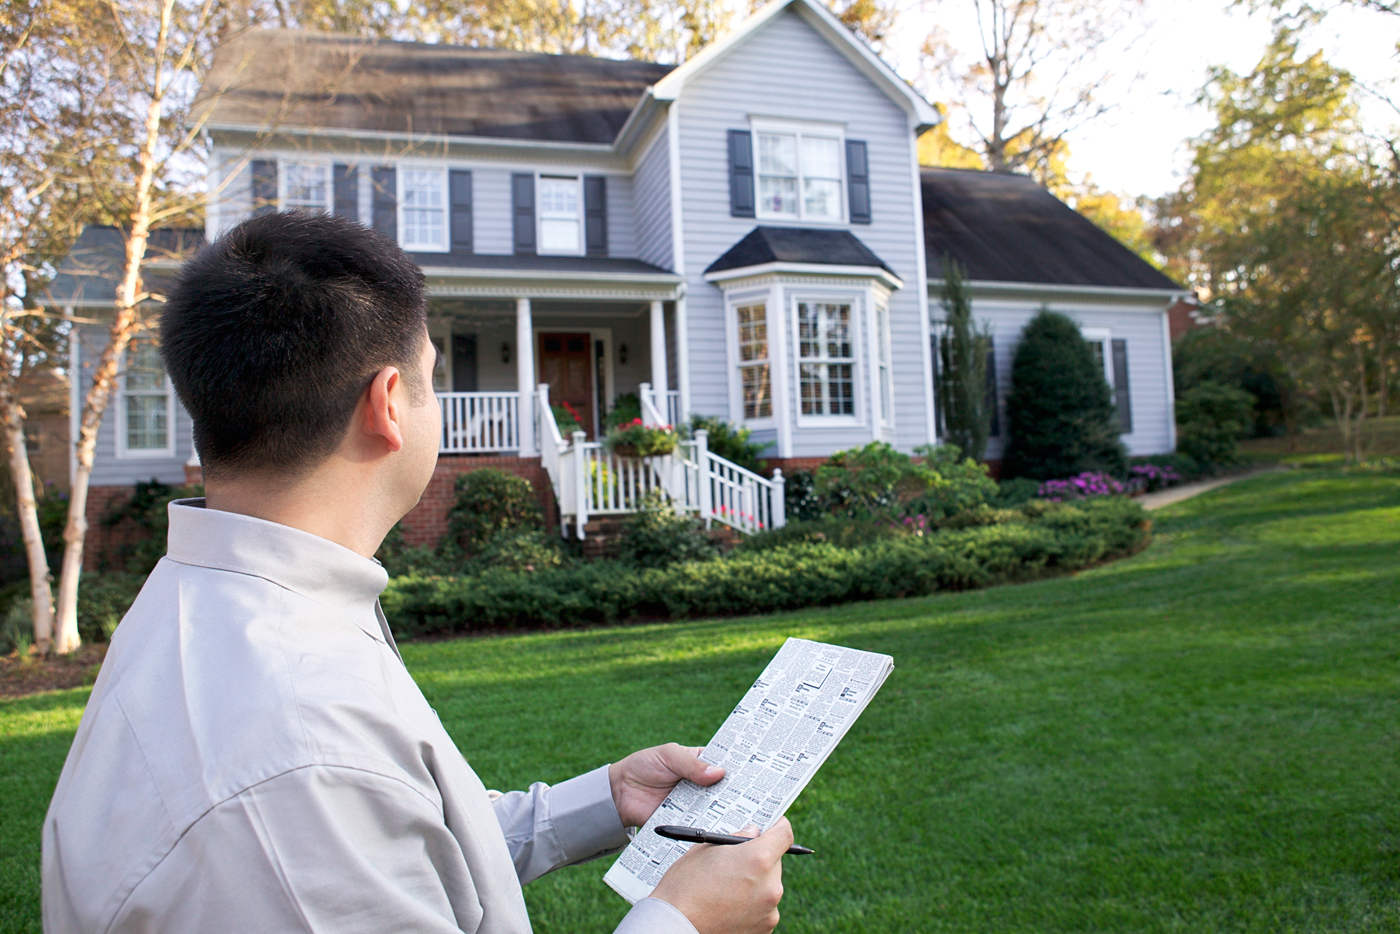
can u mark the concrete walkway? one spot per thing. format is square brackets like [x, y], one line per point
[1176, 494]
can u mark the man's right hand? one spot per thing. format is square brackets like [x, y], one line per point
[730, 889]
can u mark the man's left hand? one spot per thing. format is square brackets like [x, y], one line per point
[643, 780]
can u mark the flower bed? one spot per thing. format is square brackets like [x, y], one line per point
[637, 439]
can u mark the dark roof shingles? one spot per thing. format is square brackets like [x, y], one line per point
[1007, 228]
[798, 245]
[306, 80]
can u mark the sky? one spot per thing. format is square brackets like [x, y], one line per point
[1140, 147]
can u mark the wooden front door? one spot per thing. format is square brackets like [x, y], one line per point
[567, 366]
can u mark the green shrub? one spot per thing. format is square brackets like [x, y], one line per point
[1060, 413]
[952, 483]
[801, 501]
[490, 501]
[1051, 537]
[17, 627]
[867, 481]
[731, 443]
[1015, 492]
[656, 536]
[1211, 420]
[841, 531]
[521, 550]
[103, 600]
[626, 407]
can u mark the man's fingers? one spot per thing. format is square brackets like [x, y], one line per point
[750, 831]
[775, 839]
[685, 761]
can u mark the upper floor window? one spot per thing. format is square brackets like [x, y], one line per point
[561, 214]
[799, 175]
[144, 428]
[305, 186]
[423, 209]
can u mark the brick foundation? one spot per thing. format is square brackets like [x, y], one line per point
[103, 544]
[427, 522]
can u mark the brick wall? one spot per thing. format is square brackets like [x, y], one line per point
[102, 546]
[427, 522]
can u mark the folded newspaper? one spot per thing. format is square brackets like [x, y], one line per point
[770, 746]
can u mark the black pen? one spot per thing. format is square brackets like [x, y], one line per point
[695, 835]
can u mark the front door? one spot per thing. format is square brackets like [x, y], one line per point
[567, 366]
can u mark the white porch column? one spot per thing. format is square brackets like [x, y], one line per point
[660, 382]
[525, 374]
[682, 324]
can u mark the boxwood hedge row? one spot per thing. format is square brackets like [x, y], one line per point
[1048, 538]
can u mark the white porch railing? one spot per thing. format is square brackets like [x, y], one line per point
[660, 408]
[479, 422]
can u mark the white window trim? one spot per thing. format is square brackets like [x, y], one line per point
[441, 169]
[125, 453]
[539, 215]
[732, 301]
[283, 162]
[1104, 336]
[877, 389]
[802, 128]
[859, 357]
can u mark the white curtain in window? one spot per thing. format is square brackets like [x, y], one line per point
[777, 174]
[559, 214]
[821, 178]
[424, 209]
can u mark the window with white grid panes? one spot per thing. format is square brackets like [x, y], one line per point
[423, 209]
[145, 422]
[755, 374]
[826, 359]
[561, 214]
[305, 186]
[882, 352]
[799, 176]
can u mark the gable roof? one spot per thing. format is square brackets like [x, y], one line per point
[312, 81]
[89, 274]
[816, 15]
[1007, 228]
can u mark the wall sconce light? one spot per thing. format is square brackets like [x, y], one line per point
[505, 352]
[622, 353]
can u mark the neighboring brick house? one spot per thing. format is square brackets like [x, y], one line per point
[748, 235]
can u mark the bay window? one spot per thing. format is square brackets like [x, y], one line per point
[755, 373]
[423, 209]
[826, 359]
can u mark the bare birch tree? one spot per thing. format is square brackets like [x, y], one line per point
[1026, 74]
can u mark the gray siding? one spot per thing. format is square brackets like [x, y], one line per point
[1149, 359]
[652, 196]
[107, 468]
[788, 71]
[622, 218]
[235, 198]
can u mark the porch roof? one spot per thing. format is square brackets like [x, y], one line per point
[89, 274]
[583, 277]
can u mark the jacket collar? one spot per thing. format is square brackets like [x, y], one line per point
[314, 567]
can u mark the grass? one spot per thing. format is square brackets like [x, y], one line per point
[1199, 738]
[1322, 446]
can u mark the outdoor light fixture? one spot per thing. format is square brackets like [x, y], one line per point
[621, 353]
[505, 352]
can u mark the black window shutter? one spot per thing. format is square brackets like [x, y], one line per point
[459, 184]
[522, 200]
[740, 173]
[993, 409]
[1121, 397]
[386, 201]
[595, 215]
[858, 181]
[264, 187]
[345, 181]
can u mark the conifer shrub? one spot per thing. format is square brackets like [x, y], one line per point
[1060, 413]
[1211, 419]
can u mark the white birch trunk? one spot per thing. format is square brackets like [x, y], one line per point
[40, 582]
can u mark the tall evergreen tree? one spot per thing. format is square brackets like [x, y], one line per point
[961, 387]
[1060, 412]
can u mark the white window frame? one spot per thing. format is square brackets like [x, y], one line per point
[857, 359]
[540, 218]
[883, 363]
[1102, 336]
[738, 365]
[127, 453]
[836, 131]
[283, 202]
[400, 176]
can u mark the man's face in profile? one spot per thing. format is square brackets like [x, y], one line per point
[422, 422]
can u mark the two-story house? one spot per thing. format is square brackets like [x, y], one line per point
[747, 235]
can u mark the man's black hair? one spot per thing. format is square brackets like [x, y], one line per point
[273, 332]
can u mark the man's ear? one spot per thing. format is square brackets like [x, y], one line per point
[383, 409]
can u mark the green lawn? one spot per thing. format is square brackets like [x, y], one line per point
[1199, 738]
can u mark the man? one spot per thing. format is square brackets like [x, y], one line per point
[255, 757]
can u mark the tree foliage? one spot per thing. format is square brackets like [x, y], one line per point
[1059, 413]
[961, 385]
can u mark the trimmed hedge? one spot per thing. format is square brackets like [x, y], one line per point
[1047, 538]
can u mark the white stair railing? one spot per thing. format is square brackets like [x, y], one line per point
[722, 491]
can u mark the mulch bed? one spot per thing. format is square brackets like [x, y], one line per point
[21, 677]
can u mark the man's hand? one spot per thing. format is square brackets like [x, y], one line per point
[643, 780]
[730, 889]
